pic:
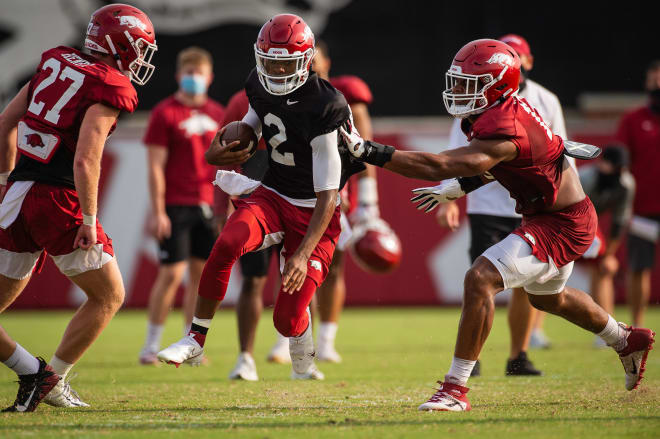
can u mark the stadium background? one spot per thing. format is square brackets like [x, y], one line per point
[594, 64]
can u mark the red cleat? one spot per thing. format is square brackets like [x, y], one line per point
[448, 398]
[633, 356]
[33, 388]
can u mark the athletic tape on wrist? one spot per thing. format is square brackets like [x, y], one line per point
[378, 154]
[89, 220]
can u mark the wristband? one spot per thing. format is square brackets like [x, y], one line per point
[3, 177]
[89, 220]
[468, 184]
[377, 154]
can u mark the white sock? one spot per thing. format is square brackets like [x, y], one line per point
[60, 367]
[204, 323]
[614, 335]
[460, 371]
[22, 362]
[154, 334]
[327, 332]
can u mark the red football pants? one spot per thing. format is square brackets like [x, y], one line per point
[265, 217]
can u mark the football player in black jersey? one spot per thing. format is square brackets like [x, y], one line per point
[297, 203]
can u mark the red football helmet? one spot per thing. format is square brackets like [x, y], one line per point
[126, 33]
[483, 73]
[375, 247]
[284, 52]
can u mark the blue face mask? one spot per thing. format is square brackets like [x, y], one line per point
[193, 84]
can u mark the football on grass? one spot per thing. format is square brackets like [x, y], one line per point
[240, 131]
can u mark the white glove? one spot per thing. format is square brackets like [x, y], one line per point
[430, 197]
[235, 184]
[354, 142]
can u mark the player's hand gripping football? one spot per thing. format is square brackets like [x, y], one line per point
[222, 155]
[294, 273]
[429, 197]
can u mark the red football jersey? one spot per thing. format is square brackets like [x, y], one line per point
[639, 130]
[532, 178]
[186, 132]
[353, 88]
[66, 84]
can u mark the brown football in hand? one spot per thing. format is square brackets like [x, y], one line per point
[240, 131]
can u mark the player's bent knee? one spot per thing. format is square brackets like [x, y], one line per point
[290, 326]
[478, 282]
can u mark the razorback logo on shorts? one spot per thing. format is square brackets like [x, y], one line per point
[315, 264]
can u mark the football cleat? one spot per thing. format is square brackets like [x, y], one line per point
[63, 395]
[279, 353]
[633, 357]
[186, 350]
[33, 388]
[521, 366]
[328, 353]
[448, 398]
[245, 368]
[538, 340]
[313, 373]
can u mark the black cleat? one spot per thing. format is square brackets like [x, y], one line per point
[33, 388]
[521, 366]
[476, 370]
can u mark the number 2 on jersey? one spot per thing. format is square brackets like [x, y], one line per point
[77, 78]
[277, 139]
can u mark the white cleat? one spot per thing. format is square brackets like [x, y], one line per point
[328, 354]
[633, 357]
[313, 373]
[186, 350]
[302, 351]
[448, 398]
[245, 368]
[63, 395]
[279, 353]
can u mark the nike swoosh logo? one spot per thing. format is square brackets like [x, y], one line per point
[24, 407]
[290, 102]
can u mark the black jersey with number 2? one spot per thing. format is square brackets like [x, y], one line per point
[290, 122]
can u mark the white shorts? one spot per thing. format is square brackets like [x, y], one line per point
[20, 265]
[518, 267]
[346, 233]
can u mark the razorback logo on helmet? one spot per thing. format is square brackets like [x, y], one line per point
[131, 22]
[455, 69]
[502, 59]
[308, 34]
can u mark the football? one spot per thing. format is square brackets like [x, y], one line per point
[240, 131]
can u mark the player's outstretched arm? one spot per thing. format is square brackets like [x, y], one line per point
[94, 130]
[8, 121]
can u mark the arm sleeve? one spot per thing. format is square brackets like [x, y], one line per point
[326, 163]
[158, 130]
[251, 118]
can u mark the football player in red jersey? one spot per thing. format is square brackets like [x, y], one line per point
[180, 129]
[71, 105]
[361, 204]
[509, 142]
[296, 204]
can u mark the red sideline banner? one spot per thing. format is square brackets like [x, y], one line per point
[431, 272]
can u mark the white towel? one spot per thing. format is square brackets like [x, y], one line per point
[11, 204]
[645, 228]
[235, 184]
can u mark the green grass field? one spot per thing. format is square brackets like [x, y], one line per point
[392, 358]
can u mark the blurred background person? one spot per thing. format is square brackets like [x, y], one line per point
[639, 130]
[491, 211]
[611, 188]
[181, 128]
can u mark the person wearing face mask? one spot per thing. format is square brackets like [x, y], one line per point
[611, 187]
[180, 182]
[492, 214]
[639, 130]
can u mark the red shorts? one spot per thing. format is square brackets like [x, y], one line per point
[282, 222]
[49, 219]
[564, 235]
